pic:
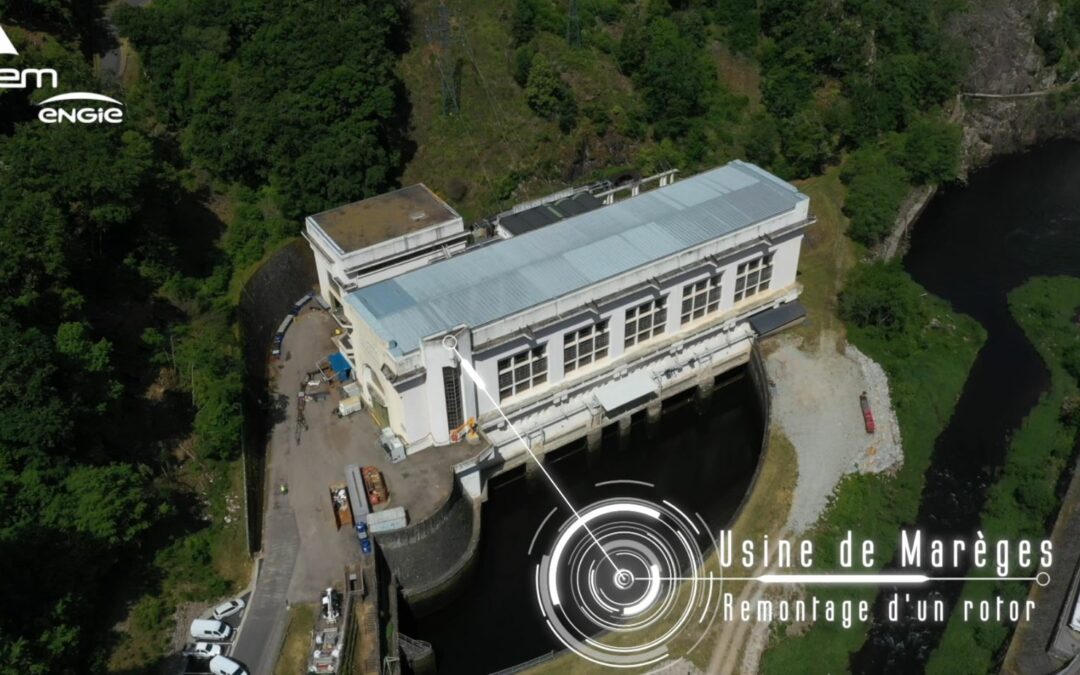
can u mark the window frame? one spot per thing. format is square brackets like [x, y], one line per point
[521, 371]
[596, 339]
[753, 277]
[653, 313]
[701, 298]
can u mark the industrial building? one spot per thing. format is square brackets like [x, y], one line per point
[573, 316]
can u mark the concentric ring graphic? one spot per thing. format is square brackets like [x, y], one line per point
[624, 578]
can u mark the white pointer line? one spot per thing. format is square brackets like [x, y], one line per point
[848, 579]
[475, 377]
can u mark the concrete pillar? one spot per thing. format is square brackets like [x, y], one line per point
[594, 439]
[624, 430]
[652, 418]
[705, 387]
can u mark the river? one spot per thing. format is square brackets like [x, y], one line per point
[1017, 218]
[702, 460]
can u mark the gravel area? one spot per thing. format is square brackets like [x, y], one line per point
[816, 405]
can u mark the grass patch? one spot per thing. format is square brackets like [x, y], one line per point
[826, 256]
[1022, 504]
[297, 643]
[926, 377]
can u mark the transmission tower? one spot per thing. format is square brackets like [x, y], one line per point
[573, 24]
[442, 41]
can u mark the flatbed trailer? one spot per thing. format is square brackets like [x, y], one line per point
[376, 487]
[339, 500]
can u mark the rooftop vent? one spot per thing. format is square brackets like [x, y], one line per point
[416, 216]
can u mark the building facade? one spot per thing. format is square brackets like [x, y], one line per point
[577, 322]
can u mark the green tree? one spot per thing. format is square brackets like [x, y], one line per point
[523, 21]
[805, 144]
[107, 503]
[674, 78]
[931, 150]
[876, 188]
[880, 297]
[548, 94]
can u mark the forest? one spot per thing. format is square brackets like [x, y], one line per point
[125, 246]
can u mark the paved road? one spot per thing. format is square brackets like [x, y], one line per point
[267, 619]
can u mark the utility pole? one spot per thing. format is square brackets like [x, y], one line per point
[441, 40]
[573, 24]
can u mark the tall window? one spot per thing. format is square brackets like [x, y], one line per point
[582, 347]
[645, 321]
[753, 277]
[700, 298]
[522, 371]
[455, 416]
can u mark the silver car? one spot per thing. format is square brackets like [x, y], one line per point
[229, 608]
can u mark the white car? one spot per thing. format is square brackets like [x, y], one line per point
[210, 630]
[205, 650]
[227, 609]
[223, 665]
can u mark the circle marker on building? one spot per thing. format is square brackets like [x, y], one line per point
[620, 596]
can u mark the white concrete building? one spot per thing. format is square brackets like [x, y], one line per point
[577, 322]
[374, 239]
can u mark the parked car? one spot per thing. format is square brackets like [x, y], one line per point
[227, 609]
[362, 535]
[205, 650]
[223, 665]
[210, 629]
[1075, 622]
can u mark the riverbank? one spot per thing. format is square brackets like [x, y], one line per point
[926, 377]
[1025, 497]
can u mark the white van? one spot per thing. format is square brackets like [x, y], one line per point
[209, 629]
[223, 665]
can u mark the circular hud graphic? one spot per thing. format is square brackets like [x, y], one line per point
[624, 578]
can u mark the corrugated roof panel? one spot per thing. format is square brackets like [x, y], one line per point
[605, 258]
[553, 270]
[508, 277]
[651, 239]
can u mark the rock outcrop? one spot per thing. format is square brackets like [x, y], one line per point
[1005, 59]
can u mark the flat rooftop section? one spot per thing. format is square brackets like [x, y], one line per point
[510, 276]
[546, 214]
[377, 219]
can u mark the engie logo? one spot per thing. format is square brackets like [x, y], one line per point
[82, 115]
[51, 113]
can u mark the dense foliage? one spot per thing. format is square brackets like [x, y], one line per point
[298, 95]
[869, 77]
[1059, 38]
[74, 497]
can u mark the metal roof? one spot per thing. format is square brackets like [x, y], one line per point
[546, 214]
[497, 281]
[621, 393]
[772, 320]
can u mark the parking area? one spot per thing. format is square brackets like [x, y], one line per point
[195, 664]
[315, 458]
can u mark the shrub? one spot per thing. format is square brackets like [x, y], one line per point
[876, 188]
[881, 297]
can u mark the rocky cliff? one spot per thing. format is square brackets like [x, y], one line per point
[1005, 60]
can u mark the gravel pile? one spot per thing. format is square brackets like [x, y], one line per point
[816, 405]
